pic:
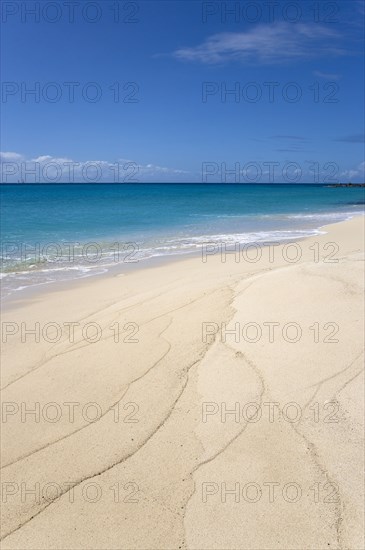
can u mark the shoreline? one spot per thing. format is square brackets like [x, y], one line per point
[33, 291]
[166, 390]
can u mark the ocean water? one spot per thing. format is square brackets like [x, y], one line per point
[60, 232]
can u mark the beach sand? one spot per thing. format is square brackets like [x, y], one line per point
[181, 439]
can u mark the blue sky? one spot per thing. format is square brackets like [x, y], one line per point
[175, 59]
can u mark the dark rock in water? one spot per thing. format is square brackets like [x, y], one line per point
[346, 185]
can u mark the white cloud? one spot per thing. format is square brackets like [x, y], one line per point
[151, 168]
[358, 172]
[10, 157]
[273, 43]
[47, 169]
[48, 158]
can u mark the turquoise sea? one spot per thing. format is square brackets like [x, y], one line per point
[62, 232]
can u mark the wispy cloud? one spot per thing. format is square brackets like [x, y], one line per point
[327, 76]
[292, 150]
[290, 143]
[267, 44]
[354, 138]
[289, 137]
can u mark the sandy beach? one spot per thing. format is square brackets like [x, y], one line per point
[196, 405]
